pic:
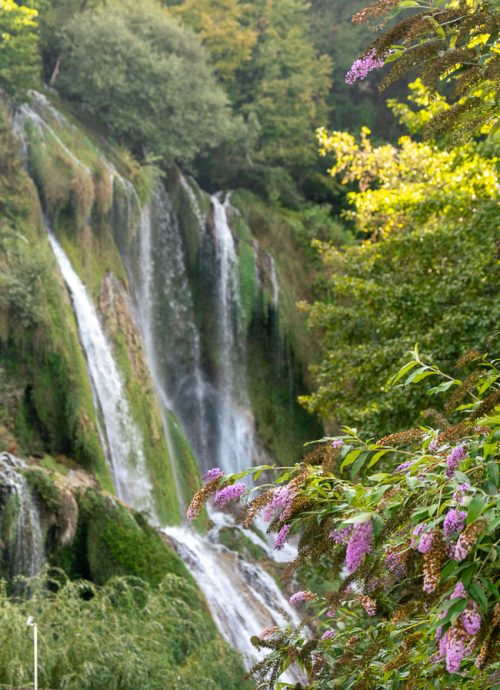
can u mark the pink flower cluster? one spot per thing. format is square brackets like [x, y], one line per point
[337, 443]
[303, 595]
[281, 537]
[360, 543]
[328, 635]
[404, 466]
[214, 473]
[458, 496]
[281, 498]
[341, 535]
[458, 640]
[233, 492]
[362, 66]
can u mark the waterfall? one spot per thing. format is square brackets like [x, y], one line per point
[165, 313]
[236, 446]
[26, 547]
[242, 597]
[275, 286]
[211, 402]
[122, 437]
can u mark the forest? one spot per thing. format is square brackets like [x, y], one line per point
[249, 344]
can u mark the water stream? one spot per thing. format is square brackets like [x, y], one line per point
[122, 437]
[26, 545]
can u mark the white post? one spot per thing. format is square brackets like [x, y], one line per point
[35, 656]
[31, 624]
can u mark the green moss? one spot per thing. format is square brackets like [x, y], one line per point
[247, 282]
[50, 407]
[40, 482]
[117, 543]
[234, 539]
[187, 470]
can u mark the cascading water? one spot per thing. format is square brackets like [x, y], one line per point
[166, 316]
[214, 410]
[236, 433]
[26, 547]
[243, 598]
[123, 439]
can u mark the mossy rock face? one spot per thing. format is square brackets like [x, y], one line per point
[234, 539]
[44, 374]
[119, 543]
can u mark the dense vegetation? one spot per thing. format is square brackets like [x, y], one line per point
[396, 245]
[403, 534]
[124, 636]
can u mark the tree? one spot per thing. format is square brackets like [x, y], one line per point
[224, 30]
[424, 271]
[286, 86]
[146, 77]
[451, 43]
[19, 61]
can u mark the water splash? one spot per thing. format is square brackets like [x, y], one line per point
[242, 597]
[26, 550]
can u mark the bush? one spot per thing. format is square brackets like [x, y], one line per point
[136, 69]
[404, 533]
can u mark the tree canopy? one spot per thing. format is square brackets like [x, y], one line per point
[135, 68]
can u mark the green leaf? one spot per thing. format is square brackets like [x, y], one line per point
[493, 472]
[360, 518]
[351, 457]
[404, 370]
[377, 457]
[380, 477]
[477, 593]
[475, 509]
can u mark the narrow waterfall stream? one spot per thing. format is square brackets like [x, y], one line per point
[27, 552]
[122, 437]
[236, 449]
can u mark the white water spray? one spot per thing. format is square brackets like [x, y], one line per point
[123, 439]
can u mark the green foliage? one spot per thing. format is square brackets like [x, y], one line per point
[288, 96]
[19, 59]
[119, 544]
[159, 94]
[406, 532]
[431, 276]
[224, 29]
[124, 636]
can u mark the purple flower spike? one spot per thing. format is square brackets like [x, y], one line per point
[471, 620]
[454, 459]
[304, 595]
[425, 542]
[455, 652]
[214, 473]
[328, 635]
[337, 443]
[360, 543]
[454, 522]
[281, 498]
[233, 492]
[362, 66]
[281, 538]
